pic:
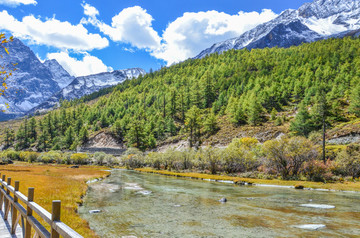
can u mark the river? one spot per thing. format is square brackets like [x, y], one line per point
[147, 205]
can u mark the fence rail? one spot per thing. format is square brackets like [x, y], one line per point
[25, 215]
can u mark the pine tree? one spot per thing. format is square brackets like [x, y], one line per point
[210, 124]
[43, 139]
[84, 135]
[9, 137]
[32, 129]
[355, 101]
[208, 92]
[320, 114]
[301, 125]
[254, 111]
[136, 135]
[273, 114]
[193, 125]
[69, 137]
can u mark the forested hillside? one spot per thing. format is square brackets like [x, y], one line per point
[320, 81]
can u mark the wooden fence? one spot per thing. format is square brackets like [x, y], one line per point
[25, 215]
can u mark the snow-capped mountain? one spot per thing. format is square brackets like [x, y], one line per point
[86, 85]
[29, 85]
[314, 21]
[60, 75]
[36, 85]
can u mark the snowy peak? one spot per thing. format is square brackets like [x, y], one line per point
[60, 75]
[30, 84]
[314, 21]
[86, 85]
[325, 8]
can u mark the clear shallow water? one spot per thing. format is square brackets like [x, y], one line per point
[148, 205]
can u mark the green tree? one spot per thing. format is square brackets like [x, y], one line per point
[355, 100]
[9, 137]
[32, 129]
[254, 111]
[69, 137]
[193, 125]
[84, 135]
[320, 114]
[136, 135]
[302, 125]
[273, 114]
[210, 124]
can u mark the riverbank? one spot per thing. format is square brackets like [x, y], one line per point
[57, 182]
[339, 186]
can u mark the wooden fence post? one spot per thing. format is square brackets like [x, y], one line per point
[1, 194]
[7, 202]
[56, 208]
[29, 213]
[14, 213]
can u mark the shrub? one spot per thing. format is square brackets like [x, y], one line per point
[349, 161]
[29, 156]
[241, 155]
[51, 157]
[287, 155]
[12, 155]
[98, 158]
[318, 171]
[133, 161]
[79, 158]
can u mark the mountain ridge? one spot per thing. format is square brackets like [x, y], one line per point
[316, 21]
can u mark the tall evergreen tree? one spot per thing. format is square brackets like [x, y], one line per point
[301, 125]
[355, 100]
[193, 125]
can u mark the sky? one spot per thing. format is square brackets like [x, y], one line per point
[93, 36]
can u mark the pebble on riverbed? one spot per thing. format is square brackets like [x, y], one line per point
[311, 226]
[319, 206]
[94, 211]
[223, 200]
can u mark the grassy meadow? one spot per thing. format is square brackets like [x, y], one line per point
[56, 182]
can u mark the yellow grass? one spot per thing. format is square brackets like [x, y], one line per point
[344, 186]
[56, 182]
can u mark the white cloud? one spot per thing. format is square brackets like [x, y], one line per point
[87, 65]
[14, 3]
[52, 32]
[90, 10]
[132, 25]
[193, 32]
[183, 38]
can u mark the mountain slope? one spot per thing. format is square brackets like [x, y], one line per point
[60, 75]
[213, 100]
[86, 85]
[314, 21]
[30, 84]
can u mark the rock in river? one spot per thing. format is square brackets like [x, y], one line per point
[94, 211]
[223, 200]
[320, 206]
[311, 226]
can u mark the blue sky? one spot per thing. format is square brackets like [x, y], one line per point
[93, 36]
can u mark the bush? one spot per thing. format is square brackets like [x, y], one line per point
[79, 158]
[318, 171]
[133, 161]
[349, 161]
[51, 157]
[287, 155]
[98, 158]
[241, 155]
[29, 157]
[12, 155]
